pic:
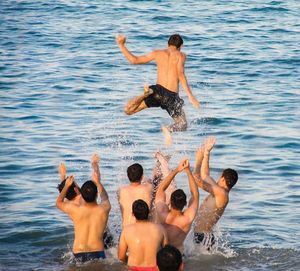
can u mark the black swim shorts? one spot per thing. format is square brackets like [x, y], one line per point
[166, 99]
[89, 256]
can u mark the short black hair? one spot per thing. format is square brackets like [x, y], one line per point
[230, 176]
[135, 173]
[178, 199]
[89, 191]
[140, 209]
[168, 258]
[175, 40]
[71, 193]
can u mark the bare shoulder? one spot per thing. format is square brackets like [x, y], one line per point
[148, 186]
[222, 197]
[182, 55]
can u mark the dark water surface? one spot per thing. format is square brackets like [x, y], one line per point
[63, 86]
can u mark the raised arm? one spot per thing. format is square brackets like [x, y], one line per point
[66, 207]
[184, 82]
[194, 200]
[205, 172]
[160, 193]
[62, 171]
[96, 178]
[130, 56]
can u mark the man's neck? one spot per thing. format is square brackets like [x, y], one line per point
[175, 212]
[135, 184]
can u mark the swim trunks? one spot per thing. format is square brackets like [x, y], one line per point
[141, 268]
[206, 240]
[166, 99]
[89, 256]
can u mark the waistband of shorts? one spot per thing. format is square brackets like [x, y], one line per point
[99, 254]
[142, 268]
[167, 90]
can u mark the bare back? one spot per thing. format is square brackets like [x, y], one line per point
[127, 195]
[168, 62]
[90, 221]
[143, 240]
[209, 213]
[176, 225]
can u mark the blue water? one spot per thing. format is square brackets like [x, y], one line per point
[63, 86]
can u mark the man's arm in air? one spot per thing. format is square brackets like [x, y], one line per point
[62, 171]
[160, 197]
[184, 82]
[205, 172]
[96, 176]
[67, 207]
[194, 201]
[130, 56]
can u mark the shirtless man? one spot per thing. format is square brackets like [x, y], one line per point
[89, 217]
[142, 240]
[170, 71]
[176, 221]
[213, 206]
[135, 190]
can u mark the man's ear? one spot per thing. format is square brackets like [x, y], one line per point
[77, 190]
[181, 267]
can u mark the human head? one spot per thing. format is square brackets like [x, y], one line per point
[178, 199]
[140, 209]
[89, 191]
[230, 176]
[175, 40]
[135, 173]
[169, 258]
[72, 192]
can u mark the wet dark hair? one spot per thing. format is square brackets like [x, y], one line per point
[135, 173]
[178, 199]
[71, 193]
[168, 258]
[89, 191]
[140, 209]
[175, 40]
[230, 176]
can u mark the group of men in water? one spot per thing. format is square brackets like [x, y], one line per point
[153, 210]
[156, 216]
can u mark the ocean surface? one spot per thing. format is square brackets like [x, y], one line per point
[64, 84]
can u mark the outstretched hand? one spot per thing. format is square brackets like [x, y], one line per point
[120, 39]
[62, 170]
[195, 102]
[209, 143]
[184, 164]
[95, 159]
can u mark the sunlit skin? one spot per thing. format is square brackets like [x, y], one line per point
[141, 240]
[130, 193]
[213, 206]
[177, 222]
[89, 219]
[170, 71]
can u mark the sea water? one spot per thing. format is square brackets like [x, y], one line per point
[64, 84]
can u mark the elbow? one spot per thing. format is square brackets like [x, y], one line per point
[133, 61]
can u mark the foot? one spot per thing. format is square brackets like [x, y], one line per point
[167, 136]
[147, 91]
